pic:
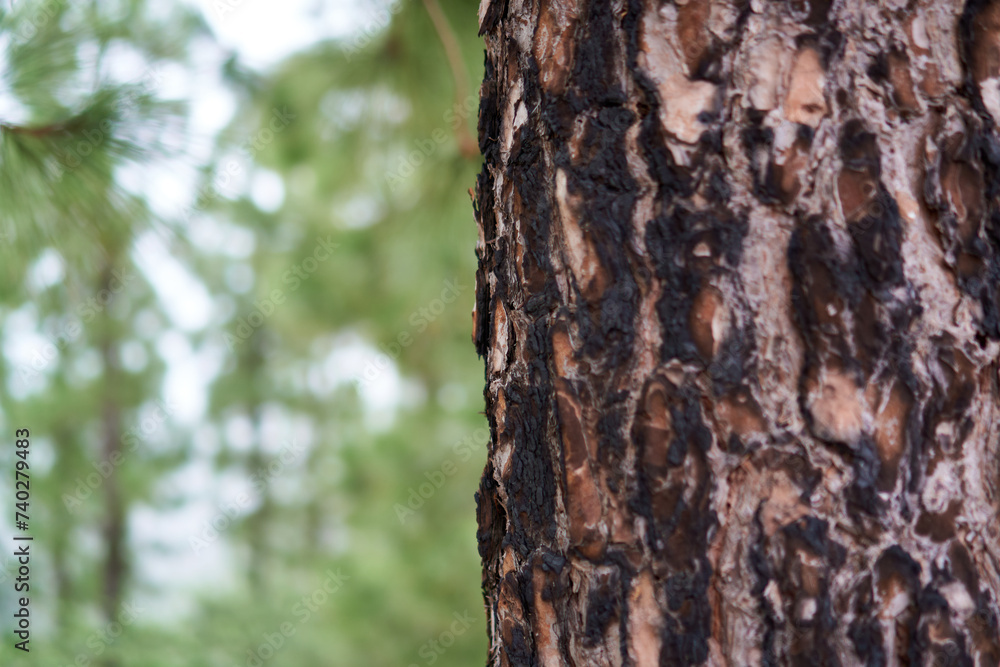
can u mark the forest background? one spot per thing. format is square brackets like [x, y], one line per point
[237, 260]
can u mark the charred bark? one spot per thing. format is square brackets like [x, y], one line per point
[739, 304]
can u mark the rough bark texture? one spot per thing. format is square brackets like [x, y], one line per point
[739, 304]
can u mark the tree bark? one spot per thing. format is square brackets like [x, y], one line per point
[739, 304]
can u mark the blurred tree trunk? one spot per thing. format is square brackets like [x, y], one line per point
[113, 532]
[739, 304]
[64, 433]
[258, 522]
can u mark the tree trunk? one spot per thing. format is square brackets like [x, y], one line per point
[113, 531]
[739, 304]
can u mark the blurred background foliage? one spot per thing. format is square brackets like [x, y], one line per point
[235, 314]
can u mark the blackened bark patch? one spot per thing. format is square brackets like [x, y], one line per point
[602, 176]
[671, 436]
[688, 626]
[805, 583]
[485, 217]
[963, 188]
[859, 149]
[534, 206]
[672, 240]
[672, 180]
[842, 355]
[763, 573]
[595, 82]
[728, 366]
[519, 649]
[758, 143]
[813, 534]
[814, 11]
[877, 237]
[531, 487]
[937, 638]
[821, 280]
[611, 445]
[879, 69]
[865, 631]
[862, 494]
[491, 517]
[604, 605]
[875, 223]
[490, 114]
[962, 567]
[866, 636]
[494, 14]
[970, 27]
[989, 286]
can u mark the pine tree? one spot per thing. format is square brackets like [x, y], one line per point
[739, 306]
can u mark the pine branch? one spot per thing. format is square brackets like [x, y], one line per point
[466, 143]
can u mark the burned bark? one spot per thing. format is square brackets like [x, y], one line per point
[739, 304]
